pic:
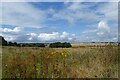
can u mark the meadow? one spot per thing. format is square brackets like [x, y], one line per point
[77, 62]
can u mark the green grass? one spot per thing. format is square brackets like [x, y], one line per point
[86, 62]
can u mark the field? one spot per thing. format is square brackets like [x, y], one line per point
[77, 62]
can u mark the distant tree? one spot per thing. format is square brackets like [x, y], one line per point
[59, 44]
[40, 45]
[3, 41]
[22, 45]
[55, 45]
[15, 43]
[67, 45]
[19, 45]
[11, 44]
[32, 45]
[51, 45]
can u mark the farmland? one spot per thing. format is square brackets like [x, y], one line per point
[77, 62]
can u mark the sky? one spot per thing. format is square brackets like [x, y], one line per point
[59, 21]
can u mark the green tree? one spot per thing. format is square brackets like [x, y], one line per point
[3, 41]
[59, 44]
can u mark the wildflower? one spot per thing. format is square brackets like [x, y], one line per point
[62, 53]
[52, 53]
[65, 55]
[6, 65]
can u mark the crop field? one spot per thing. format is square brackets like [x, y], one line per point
[81, 62]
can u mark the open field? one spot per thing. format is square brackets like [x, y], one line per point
[74, 45]
[82, 62]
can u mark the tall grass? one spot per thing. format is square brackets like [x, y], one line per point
[85, 62]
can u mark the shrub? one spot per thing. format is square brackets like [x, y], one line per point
[59, 44]
[3, 41]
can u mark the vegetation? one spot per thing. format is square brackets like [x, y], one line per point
[59, 44]
[3, 41]
[32, 45]
[52, 45]
[58, 60]
[85, 62]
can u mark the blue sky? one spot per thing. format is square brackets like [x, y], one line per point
[59, 21]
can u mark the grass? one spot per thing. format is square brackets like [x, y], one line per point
[84, 62]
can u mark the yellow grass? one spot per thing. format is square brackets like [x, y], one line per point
[84, 62]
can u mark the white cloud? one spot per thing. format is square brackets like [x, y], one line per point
[32, 36]
[103, 28]
[110, 11]
[48, 37]
[41, 37]
[64, 35]
[90, 31]
[9, 30]
[103, 32]
[22, 14]
[8, 37]
[10, 34]
[74, 6]
[29, 16]
[26, 15]
[76, 11]
[55, 36]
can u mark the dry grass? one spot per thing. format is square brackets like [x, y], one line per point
[86, 62]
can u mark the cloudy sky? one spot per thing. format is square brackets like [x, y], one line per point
[59, 21]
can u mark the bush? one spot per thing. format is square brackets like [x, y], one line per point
[3, 41]
[59, 44]
[33, 45]
[40, 45]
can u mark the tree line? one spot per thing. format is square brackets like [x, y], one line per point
[3, 42]
[60, 45]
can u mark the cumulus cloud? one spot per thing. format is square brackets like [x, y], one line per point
[55, 36]
[64, 35]
[29, 16]
[48, 37]
[103, 32]
[9, 30]
[32, 37]
[103, 29]
[41, 37]
[32, 34]
[10, 34]
[8, 37]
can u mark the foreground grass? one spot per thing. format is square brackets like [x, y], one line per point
[86, 62]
